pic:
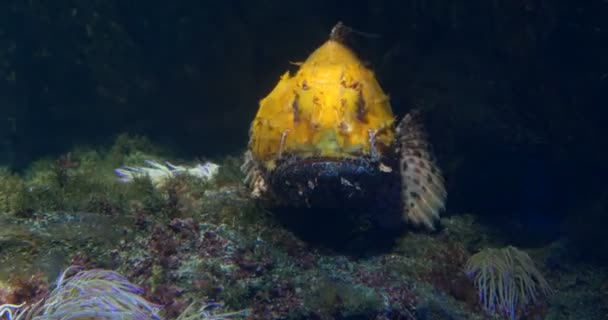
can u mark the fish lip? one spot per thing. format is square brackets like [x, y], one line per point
[326, 181]
[296, 160]
[318, 167]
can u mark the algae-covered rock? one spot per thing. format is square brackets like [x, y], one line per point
[194, 241]
[12, 193]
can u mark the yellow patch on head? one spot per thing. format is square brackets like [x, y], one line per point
[332, 107]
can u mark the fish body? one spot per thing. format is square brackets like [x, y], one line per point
[327, 137]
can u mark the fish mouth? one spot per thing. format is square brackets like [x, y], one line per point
[327, 182]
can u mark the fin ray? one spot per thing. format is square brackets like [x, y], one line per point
[423, 187]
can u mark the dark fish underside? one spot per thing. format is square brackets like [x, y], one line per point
[333, 183]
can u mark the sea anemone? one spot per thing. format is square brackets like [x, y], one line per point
[91, 294]
[159, 173]
[507, 280]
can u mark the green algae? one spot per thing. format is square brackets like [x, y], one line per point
[12, 193]
[345, 299]
[60, 207]
[190, 240]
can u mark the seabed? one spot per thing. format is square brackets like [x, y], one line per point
[188, 241]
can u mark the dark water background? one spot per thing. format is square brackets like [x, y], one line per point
[514, 92]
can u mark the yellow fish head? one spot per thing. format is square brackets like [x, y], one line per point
[331, 119]
[333, 107]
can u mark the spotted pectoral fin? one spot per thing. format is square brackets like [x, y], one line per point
[253, 176]
[423, 191]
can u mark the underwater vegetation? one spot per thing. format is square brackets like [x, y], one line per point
[191, 243]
